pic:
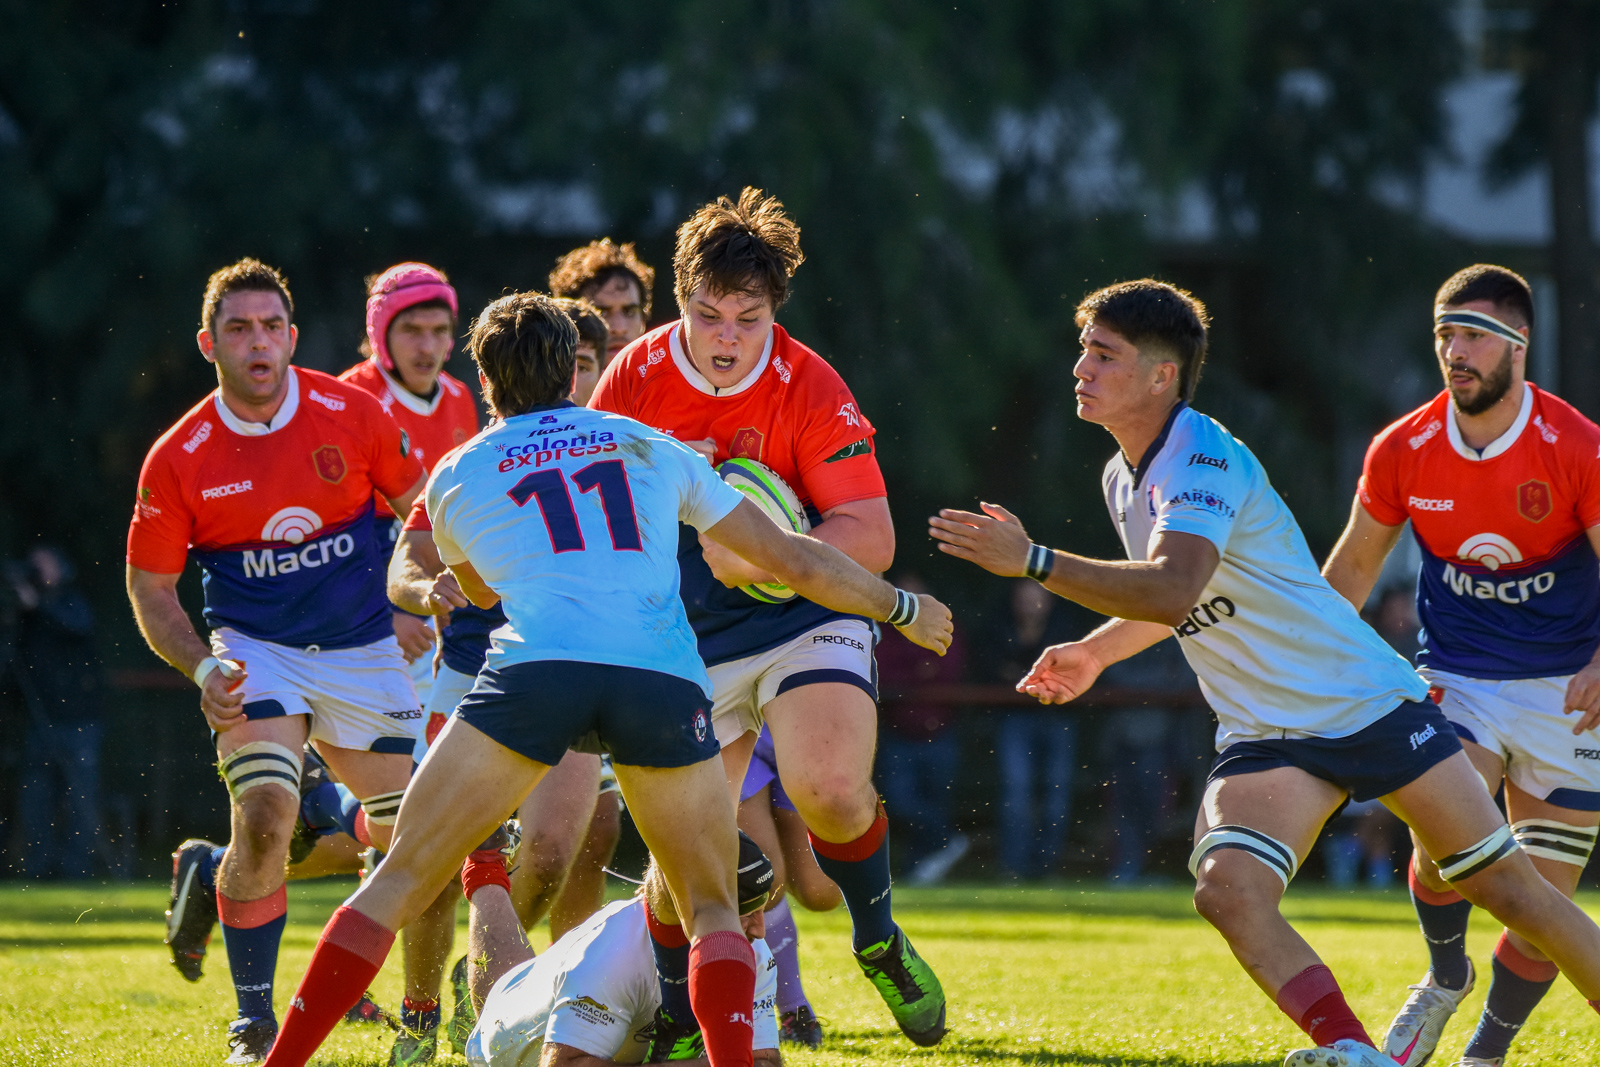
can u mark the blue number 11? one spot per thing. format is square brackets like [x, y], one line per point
[561, 519]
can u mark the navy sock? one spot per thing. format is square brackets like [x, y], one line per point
[330, 806]
[861, 869]
[419, 1017]
[1443, 918]
[669, 945]
[1515, 990]
[252, 929]
[206, 875]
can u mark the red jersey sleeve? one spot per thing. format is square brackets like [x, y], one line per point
[392, 467]
[158, 536]
[418, 518]
[1587, 481]
[834, 449]
[614, 393]
[1379, 488]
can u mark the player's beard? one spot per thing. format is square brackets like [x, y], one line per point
[1491, 388]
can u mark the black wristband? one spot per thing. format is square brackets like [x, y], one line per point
[905, 609]
[1040, 562]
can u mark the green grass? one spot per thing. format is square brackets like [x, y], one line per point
[1035, 976]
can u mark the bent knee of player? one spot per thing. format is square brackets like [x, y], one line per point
[834, 802]
[817, 893]
[1510, 890]
[1229, 894]
[263, 820]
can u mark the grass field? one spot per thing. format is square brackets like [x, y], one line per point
[1035, 976]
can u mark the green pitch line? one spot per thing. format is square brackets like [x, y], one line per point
[1040, 977]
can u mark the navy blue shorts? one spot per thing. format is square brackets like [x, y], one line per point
[641, 718]
[1393, 752]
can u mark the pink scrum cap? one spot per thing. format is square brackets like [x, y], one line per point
[399, 287]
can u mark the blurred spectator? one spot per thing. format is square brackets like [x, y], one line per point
[1136, 747]
[1037, 747]
[918, 750]
[58, 673]
[1368, 834]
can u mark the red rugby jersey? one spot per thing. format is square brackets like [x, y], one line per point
[1509, 586]
[793, 413]
[434, 426]
[280, 519]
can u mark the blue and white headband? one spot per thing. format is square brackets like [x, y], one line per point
[1478, 320]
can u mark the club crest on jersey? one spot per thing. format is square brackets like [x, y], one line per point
[329, 462]
[699, 724]
[1533, 500]
[746, 443]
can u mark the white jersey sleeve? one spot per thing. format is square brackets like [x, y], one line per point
[766, 1013]
[707, 499]
[1200, 495]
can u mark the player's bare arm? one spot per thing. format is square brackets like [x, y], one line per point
[822, 574]
[419, 581]
[1065, 672]
[1583, 692]
[861, 529]
[475, 588]
[1356, 561]
[1161, 590]
[170, 632]
[402, 503]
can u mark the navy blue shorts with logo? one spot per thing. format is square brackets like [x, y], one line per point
[1393, 752]
[641, 718]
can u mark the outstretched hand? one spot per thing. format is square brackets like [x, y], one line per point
[1061, 673]
[994, 540]
[933, 627]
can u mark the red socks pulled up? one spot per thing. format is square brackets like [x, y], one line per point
[487, 867]
[1313, 1000]
[722, 991]
[346, 960]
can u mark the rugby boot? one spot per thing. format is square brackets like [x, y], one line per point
[1480, 1061]
[249, 1040]
[463, 1019]
[366, 1010]
[418, 1039]
[1415, 1032]
[800, 1027]
[671, 1040]
[191, 909]
[1346, 1052]
[908, 985]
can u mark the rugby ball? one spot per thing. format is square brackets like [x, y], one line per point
[762, 486]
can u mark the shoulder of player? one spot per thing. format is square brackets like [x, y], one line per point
[653, 347]
[1198, 440]
[454, 387]
[363, 375]
[188, 436]
[1562, 425]
[1414, 429]
[328, 398]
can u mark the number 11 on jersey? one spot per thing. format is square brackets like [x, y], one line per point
[549, 487]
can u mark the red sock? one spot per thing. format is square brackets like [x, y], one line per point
[487, 867]
[722, 991]
[1313, 1000]
[1430, 896]
[346, 960]
[1525, 968]
[363, 834]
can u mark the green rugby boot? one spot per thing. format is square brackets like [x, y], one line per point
[464, 1018]
[908, 985]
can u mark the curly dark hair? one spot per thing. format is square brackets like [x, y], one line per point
[584, 271]
[749, 247]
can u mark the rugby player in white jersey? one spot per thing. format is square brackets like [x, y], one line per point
[1313, 708]
[569, 517]
[591, 998]
[1499, 482]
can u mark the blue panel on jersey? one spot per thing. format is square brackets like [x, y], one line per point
[729, 624]
[1540, 620]
[465, 642]
[326, 591]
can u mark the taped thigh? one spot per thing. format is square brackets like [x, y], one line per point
[261, 763]
[1559, 841]
[1480, 857]
[382, 809]
[1278, 857]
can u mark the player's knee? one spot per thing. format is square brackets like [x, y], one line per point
[605, 829]
[264, 820]
[1222, 904]
[834, 800]
[816, 894]
[544, 860]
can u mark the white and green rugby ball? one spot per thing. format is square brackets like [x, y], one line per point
[773, 496]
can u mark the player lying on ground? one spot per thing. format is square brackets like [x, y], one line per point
[591, 999]
[596, 650]
[1499, 482]
[730, 382]
[1313, 708]
[268, 484]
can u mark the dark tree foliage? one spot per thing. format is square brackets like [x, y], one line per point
[962, 174]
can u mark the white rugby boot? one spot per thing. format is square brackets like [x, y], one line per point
[1415, 1032]
[1479, 1061]
[1346, 1052]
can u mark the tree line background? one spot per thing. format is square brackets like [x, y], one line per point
[962, 174]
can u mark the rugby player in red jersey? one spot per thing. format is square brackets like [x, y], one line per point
[613, 279]
[728, 381]
[268, 485]
[1499, 482]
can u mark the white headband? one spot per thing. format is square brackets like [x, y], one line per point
[1478, 320]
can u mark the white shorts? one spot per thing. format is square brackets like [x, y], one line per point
[836, 651]
[421, 672]
[446, 692]
[1520, 720]
[358, 698]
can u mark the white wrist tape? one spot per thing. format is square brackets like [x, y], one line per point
[203, 669]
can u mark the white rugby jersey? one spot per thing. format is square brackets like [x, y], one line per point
[596, 991]
[1277, 651]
